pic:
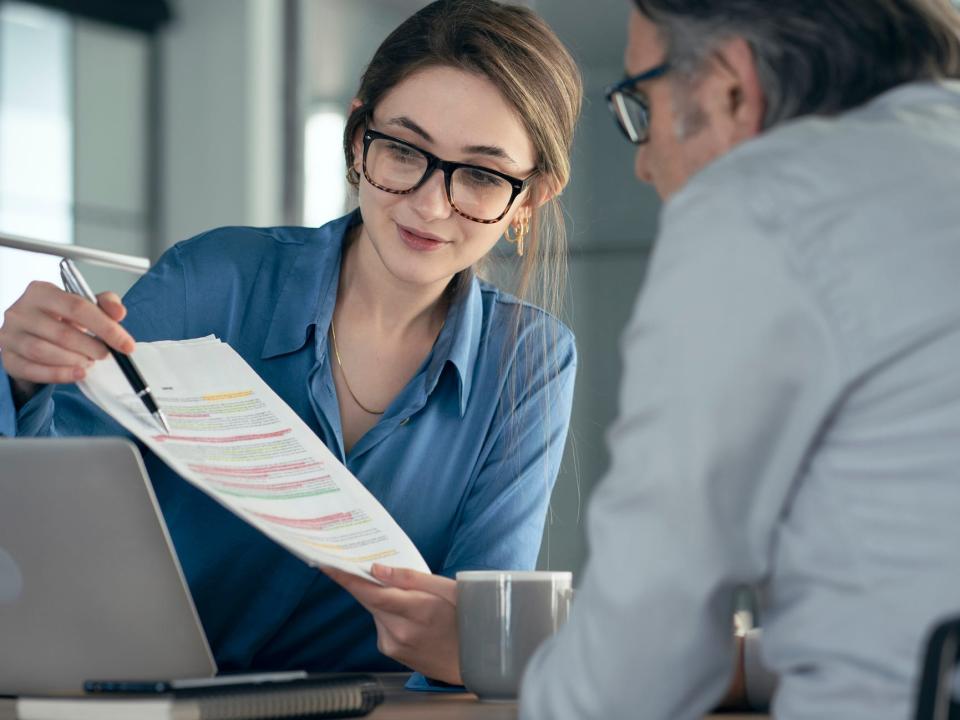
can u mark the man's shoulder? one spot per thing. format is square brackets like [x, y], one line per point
[814, 160]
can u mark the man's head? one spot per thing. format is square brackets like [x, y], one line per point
[739, 67]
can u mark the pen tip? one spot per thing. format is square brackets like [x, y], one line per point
[162, 421]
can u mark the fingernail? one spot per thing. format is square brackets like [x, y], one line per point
[383, 572]
[79, 373]
[87, 364]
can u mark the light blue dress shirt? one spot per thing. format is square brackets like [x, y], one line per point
[464, 458]
[790, 417]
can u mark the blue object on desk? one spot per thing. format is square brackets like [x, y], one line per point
[420, 683]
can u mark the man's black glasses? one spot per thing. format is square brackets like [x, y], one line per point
[630, 108]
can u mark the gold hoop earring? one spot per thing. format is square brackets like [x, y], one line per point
[519, 234]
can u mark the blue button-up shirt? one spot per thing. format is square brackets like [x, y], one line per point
[464, 458]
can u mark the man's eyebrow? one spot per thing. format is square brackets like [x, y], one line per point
[494, 151]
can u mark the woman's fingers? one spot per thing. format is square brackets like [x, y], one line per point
[361, 589]
[81, 312]
[38, 349]
[378, 598]
[54, 342]
[395, 601]
[32, 372]
[408, 579]
[42, 337]
[111, 304]
[348, 581]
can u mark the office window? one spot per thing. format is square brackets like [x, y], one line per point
[36, 140]
[325, 186]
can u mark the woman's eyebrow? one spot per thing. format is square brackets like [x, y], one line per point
[490, 151]
[405, 122]
[494, 151]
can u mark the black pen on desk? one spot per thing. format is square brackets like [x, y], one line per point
[74, 283]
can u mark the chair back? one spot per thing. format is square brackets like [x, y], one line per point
[937, 697]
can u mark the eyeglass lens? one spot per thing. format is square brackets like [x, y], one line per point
[632, 115]
[473, 192]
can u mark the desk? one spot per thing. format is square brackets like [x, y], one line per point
[400, 704]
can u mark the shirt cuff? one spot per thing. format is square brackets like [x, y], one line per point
[36, 416]
[759, 682]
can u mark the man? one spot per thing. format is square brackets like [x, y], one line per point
[790, 411]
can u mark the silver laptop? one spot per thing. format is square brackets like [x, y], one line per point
[90, 586]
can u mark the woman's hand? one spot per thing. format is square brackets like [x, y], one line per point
[415, 615]
[42, 339]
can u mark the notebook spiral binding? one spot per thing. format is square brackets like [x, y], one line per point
[338, 699]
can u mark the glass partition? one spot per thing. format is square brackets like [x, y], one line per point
[36, 140]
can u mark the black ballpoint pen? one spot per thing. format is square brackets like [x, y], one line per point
[74, 283]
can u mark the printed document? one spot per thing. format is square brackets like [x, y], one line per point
[234, 438]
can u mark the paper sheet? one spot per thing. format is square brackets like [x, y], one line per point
[238, 441]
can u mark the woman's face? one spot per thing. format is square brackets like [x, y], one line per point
[460, 117]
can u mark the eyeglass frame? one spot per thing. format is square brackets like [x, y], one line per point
[448, 167]
[626, 89]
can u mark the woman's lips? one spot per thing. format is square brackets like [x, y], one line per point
[419, 242]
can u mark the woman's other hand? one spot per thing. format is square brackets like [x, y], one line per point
[416, 617]
[42, 338]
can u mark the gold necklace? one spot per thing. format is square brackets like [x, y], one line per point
[336, 353]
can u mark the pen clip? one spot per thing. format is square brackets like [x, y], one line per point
[73, 281]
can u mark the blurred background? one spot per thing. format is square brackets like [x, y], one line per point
[128, 125]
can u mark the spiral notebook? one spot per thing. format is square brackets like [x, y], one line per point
[319, 696]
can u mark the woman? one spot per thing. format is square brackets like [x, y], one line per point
[447, 398]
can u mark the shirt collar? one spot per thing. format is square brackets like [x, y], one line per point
[316, 274]
[310, 289]
[459, 341]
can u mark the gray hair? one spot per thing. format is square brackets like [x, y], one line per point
[815, 56]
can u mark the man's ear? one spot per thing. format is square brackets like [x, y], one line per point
[738, 95]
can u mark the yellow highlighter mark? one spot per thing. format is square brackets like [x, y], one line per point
[336, 547]
[227, 395]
